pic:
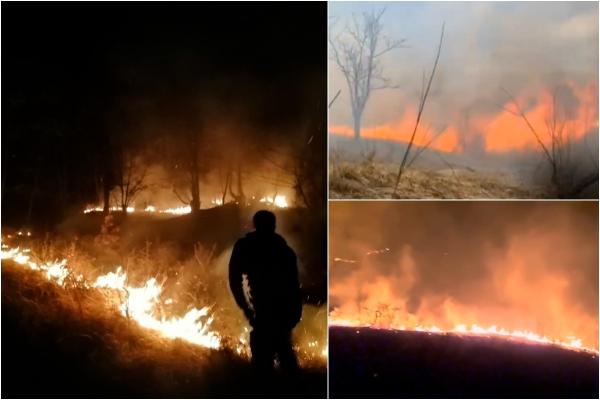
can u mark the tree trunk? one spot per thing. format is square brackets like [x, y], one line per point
[195, 175]
[195, 203]
[357, 117]
[106, 192]
[227, 182]
[240, 187]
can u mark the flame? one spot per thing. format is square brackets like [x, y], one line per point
[55, 271]
[277, 201]
[401, 131]
[139, 302]
[501, 131]
[505, 131]
[177, 210]
[571, 342]
[113, 208]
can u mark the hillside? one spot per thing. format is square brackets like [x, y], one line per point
[67, 342]
[376, 363]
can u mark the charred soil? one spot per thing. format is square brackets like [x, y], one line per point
[376, 363]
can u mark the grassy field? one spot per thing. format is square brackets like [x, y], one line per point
[376, 363]
[66, 342]
[376, 180]
[72, 341]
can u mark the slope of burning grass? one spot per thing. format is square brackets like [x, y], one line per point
[380, 363]
[374, 180]
[72, 344]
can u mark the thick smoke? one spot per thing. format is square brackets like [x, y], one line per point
[519, 46]
[527, 266]
[530, 49]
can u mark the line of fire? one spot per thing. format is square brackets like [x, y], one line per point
[139, 142]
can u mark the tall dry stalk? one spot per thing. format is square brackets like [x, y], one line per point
[423, 100]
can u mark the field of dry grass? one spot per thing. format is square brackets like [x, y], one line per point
[375, 180]
[71, 344]
[73, 341]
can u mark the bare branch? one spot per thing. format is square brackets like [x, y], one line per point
[531, 128]
[334, 98]
[420, 113]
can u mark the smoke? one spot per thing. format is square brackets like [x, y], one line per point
[526, 266]
[530, 49]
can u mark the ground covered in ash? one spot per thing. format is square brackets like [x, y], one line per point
[368, 362]
[376, 180]
[66, 343]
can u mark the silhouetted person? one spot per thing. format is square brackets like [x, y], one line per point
[274, 306]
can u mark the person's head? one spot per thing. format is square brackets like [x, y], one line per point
[264, 221]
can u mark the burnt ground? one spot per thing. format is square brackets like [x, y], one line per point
[392, 364]
[68, 344]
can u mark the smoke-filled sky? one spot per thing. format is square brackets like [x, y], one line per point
[529, 48]
[521, 266]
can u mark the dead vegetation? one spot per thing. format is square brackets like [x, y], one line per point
[373, 180]
[565, 179]
[71, 344]
[91, 350]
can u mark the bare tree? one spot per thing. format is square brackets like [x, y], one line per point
[131, 174]
[357, 52]
[191, 164]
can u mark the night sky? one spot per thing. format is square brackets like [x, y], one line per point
[76, 75]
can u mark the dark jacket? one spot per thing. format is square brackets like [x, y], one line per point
[270, 266]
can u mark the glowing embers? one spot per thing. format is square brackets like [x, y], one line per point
[571, 343]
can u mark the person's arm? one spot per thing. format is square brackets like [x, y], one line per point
[236, 271]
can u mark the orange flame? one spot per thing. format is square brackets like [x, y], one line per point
[571, 343]
[140, 303]
[502, 131]
[401, 131]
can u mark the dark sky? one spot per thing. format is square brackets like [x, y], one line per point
[78, 75]
[274, 49]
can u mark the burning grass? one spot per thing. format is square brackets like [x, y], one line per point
[519, 336]
[374, 180]
[155, 314]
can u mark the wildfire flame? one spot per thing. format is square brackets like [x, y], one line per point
[501, 131]
[571, 343]
[140, 303]
[279, 201]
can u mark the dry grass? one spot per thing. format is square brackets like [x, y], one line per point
[373, 180]
[90, 350]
